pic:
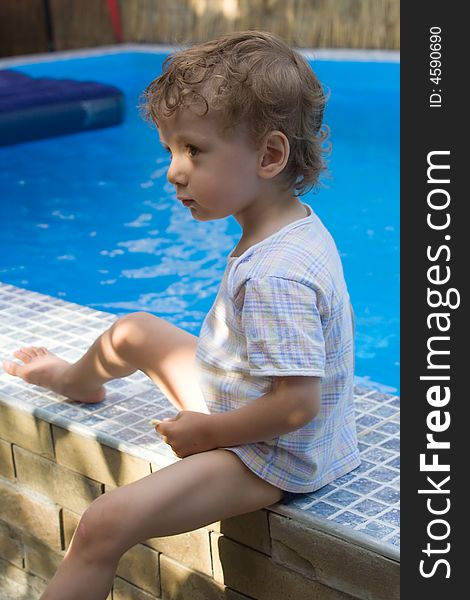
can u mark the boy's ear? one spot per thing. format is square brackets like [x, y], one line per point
[274, 154]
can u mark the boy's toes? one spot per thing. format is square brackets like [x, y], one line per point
[31, 351]
[42, 350]
[22, 355]
[12, 368]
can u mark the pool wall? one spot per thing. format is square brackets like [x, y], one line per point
[56, 456]
[49, 475]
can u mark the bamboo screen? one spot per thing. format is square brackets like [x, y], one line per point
[303, 23]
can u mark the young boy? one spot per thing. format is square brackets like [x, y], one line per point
[266, 392]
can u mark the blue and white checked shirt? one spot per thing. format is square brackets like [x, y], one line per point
[283, 309]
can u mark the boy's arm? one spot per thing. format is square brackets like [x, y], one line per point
[294, 402]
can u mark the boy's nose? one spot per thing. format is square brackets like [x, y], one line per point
[176, 174]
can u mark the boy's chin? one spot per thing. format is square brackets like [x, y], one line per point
[198, 216]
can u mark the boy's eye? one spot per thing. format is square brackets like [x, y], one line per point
[192, 150]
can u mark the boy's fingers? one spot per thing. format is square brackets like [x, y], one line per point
[156, 423]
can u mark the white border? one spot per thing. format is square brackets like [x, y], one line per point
[333, 54]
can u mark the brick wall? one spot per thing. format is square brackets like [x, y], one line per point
[48, 476]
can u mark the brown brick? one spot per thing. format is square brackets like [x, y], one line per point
[181, 583]
[17, 583]
[139, 566]
[41, 560]
[69, 524]
[123, 590]
[21, 428]
[233, 595]
[362, 573]
[191, 549]
[251, 529]
[7, 468]
[28, 511]
[11, 545]
[97, 461]
[66, 487]
[254, 574]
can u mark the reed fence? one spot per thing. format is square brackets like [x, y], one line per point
[28, 26]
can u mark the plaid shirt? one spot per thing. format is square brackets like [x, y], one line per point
[283, 309]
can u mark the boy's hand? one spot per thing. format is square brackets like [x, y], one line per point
[187, 433]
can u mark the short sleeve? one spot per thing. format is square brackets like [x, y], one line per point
[283, 328]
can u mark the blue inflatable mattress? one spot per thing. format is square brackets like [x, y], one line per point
[31, 109]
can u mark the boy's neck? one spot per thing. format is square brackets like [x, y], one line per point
[263, 219]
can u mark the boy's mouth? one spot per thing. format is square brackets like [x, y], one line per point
[186, 201]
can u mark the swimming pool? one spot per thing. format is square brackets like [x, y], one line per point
[90, 217]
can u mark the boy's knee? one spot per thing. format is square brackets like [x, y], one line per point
[130, 331]
[96, 536]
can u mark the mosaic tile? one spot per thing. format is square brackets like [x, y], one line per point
[389, 427]
[57, 408]
[370, 507]
[384, 411]
[363, 485]
[363, 502]
[377, 530]
[395, 462]
[91, 420]
[362, 446]
[363, 467]
[362, 406]
[127, 435]
[392, 516]
[343, 497]
[143, 426]
[379, 396]
[367, 421]
[149, 440]
[148, 410]
[377, 454]
[127, 418]
[388, 494]
[72, 414]
[349, 519]
[107, 426]
[383, 474]
[391, 444]
[372, 437]
[324, 509]
[112, 412]
[134, 404]
[92, 408]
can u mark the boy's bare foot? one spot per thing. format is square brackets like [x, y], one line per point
[47, 370]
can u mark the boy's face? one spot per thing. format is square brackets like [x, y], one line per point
[214, 176]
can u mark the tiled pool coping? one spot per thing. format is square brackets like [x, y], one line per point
[361, 507]
[340, 54]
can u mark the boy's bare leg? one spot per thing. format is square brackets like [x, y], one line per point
[138, 341]
[189, 494]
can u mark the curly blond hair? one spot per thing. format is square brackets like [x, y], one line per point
[255, 78]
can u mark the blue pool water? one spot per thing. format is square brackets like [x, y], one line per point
[90, 217]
